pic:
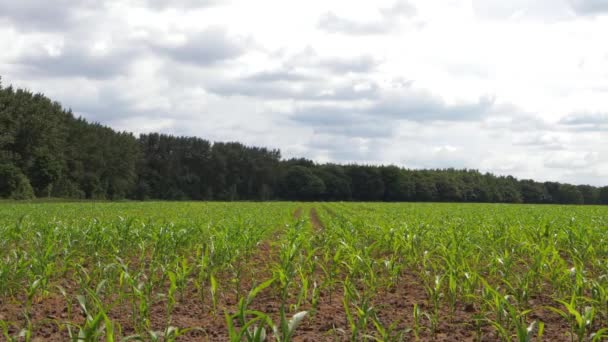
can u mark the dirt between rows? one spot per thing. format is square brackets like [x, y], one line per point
[328, 323]
[298, 213]
[315, 221]
[394, 306]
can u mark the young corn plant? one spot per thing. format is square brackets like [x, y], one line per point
[140, 296]
[255, 324]
[434, 293]
[171, 295]
[258, 323]
[358, 309]
[205, 280]
[600, 335]
[24, 334]
[287, 328]
[170, 334]
[509, 318]
[581, 321]
[416, 324]
[329, 265]
[97, 324]
[38, 285]
[599, 295]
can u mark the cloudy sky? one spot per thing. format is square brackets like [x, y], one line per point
[513, 87]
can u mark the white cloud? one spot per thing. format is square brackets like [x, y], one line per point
[514, 87]
[387, 20]
[572, 160]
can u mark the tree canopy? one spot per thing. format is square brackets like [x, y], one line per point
[46, 151]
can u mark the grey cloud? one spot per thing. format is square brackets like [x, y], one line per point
[360, 64]
[538, 9]
[347, 148]
[182, 4]
[340, 65]
[367, 129]
[78, 61]
[286, 92]
[423, 106]
[584, 176]
[510, 118]
[571, 160]
[590, 7]
[109, 104]
[542, 141]
[278, 76]
[403, 104]
[341, 121]
[62, 15]
[380, 118]
[439, 158]
[45, 15]
[399, 8]
[586, 121]
[251, 88]
[348, 92]
[280, 85]
[205, 48]
[305, 76]
[469, 70]
[331, 22]
[505, 163]
[522, 9]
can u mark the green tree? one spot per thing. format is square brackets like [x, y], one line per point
[46, 151]
[569, 194]
[532, 192]
[590, 194]
[603, 195]
[426, 189]
[14, 184]
[302, 183]
[366, 183]
[337, 183]
[448, 189]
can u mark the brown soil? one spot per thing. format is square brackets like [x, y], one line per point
[327, 322]
[298, 213]
[315, 221]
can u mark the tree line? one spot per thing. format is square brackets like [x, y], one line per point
[46, 151]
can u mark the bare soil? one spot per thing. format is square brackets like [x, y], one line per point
[315, 221]
[328, 323]
[394, 306]
[298, 213]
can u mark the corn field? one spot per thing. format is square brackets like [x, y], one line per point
[286, 271]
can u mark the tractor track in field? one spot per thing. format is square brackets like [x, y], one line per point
[315, 221]
[330, 211]
[395, 305]
[298, 213]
